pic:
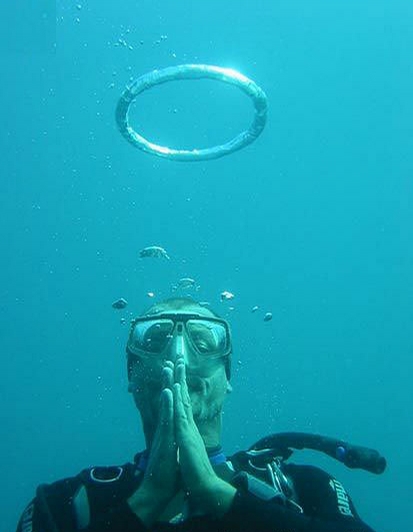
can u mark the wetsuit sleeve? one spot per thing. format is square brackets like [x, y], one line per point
[38, 519]
[54, 513]
[121, 518]
[30, 519]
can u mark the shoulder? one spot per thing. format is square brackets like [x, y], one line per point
[305, 473]
[319, 492]
[78, 498]
[95, 477]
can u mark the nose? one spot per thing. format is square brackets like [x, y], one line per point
[178, 347]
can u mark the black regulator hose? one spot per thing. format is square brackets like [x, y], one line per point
[353, 456]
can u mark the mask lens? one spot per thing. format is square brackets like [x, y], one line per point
[208, 337]
[151, 336]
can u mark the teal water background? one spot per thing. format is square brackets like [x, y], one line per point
[312, 222]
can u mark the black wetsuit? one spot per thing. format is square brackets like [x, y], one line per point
[96, 501]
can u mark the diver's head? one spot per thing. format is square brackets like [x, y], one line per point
[179, 327]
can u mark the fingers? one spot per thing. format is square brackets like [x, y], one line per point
[167, 408]
[180, 377]
[166, 397]
[174, 399]
[181, 419]
[164, 436]
[184, 421]
[161, 475]
[167, 375]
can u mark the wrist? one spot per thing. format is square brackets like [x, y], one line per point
[213, 498]
[147, 504]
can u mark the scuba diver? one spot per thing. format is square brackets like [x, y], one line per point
[179, 369]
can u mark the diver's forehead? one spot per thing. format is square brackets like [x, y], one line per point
[195, 309]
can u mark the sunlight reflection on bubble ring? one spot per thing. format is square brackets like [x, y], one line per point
[189, 71]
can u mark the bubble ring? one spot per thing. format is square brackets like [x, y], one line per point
[188, 71]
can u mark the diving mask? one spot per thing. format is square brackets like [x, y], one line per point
[151, 336]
